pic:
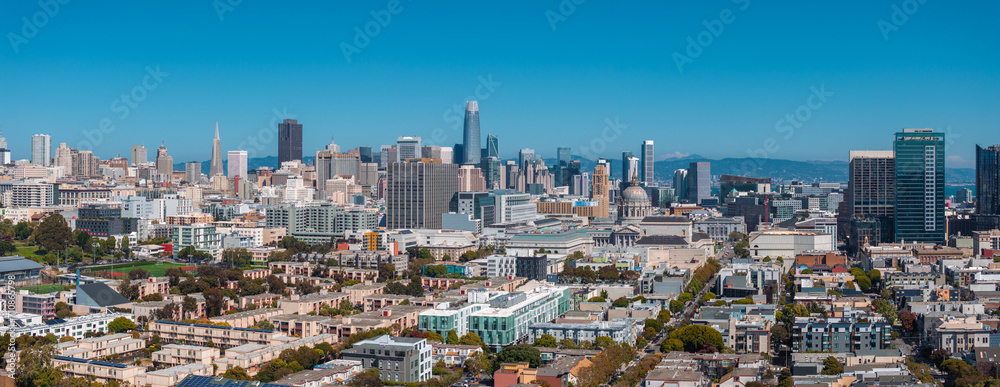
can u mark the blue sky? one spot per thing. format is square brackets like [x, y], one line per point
[548, 74]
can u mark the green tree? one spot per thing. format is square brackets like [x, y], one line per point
[545, 341]
[605, 341]
[886, 309]
[452, 337]
[676, 306]
[671, 345]
[434, 336]
[832, 366]
[685, 297]
[656, 325]
[567, 344]
[34, 367]
[663, 317]
[6, 247]
[864, 283]
[237, 373]
[597, 299]
[698, 337]
[874, 275]
[135, 274]
[709, 296]
[471, 339]
[621, 302]
[520, 353]
[743, 301]
[369, 378]
[53, 234]
[121, 324]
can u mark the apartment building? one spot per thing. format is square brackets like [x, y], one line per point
[75, 326]
[378, 301]
[251, 356]
[40, 304]
[396, 317]
[508, 316]
[625, 330]
[293, 268]
[169, 377]
[449, 317]
[398, 359]
[247, 319]
[153, 285]
[453, 354]
[962, 335]
[357, 293]
[311, 302]
[201, 334]
[180, 354]
[99, 371]
[839, 335]
[263, 300]
[94, 347]
[302, 325]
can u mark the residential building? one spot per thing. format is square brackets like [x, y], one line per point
[699, 182]
[75, 327]
[398, 359]
[919, 201]
[418, 192]
[201, 334]
[839, 335]
[871, 190]
[625, 330]
[179, 354]
[508, 316]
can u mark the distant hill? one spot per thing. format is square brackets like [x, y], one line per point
[777, 169]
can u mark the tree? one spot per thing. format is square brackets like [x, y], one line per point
[874, 275]
[237, 373]
[709, 296]
[685, 297]
[621, 302]
[471, 339]
[53, 234]
[6, 247]
[135, 274]
[676, 306]
[34, 366]
[127, 290]
[698, 337]
[63, 310]
[189, 305]
[520, 353]
[743, 301]
[434, 336]
[779, 335]
[832, 366]
[545, 341]
[939, 356]
[656, 325]
[369, 378]
[478, 364]
[452, 337]
[121, 324]
[597, 299]
[887, 309]
[663, 317]
[864, 283]
[605, 341]
[908, 320]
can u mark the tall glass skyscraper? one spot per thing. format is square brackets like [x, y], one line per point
[470, 138]
[492, 146]
[646, 163]
[988, 180]
[41, 149]
[919, 204]
[699, 182]
[289, 141]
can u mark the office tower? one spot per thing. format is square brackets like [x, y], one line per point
[988, 180]
[331, 163]
[492, 172]
[289, 140]
[164, 163]
[458, 152]
[525, 155]
[432, 152]
[365, 153]
[237, 163]
[600, 184]
[85, 164]
[138, 155]
[630, 168]
[470, 179]
[964, 195]
[470, 136]
[492, 146]
[418, 192]
[646, 165]
[871, 190]
[215, 168]
[680, 183]
[408, 148]
[4, 151]
[64, 158]
[192, 172]
[560, 168]
[919, 204]
[563, 156]
[384, 156]
[447, 155]
[41, 149]
[699, 182]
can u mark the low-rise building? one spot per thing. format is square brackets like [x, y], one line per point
[453, 354]
[203, 335]
[247, 319]
[398, 359]
[94, 347]
[99, 371]
[179, 354]
[621, 331]
[312, 302]
[75, 327]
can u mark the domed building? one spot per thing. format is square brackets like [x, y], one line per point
[635, 204]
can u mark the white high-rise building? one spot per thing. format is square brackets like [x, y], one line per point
[237, 164]
[139, 155]
[408, 148]
[646, 161]
[41, 149]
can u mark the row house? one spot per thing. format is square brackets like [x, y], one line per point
[201, 334]
[94, 347]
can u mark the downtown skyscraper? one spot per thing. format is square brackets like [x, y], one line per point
[289, 140]
[41, 150]
[871, 195]
[919, 203]
[988, 180]
[646, 161]
[699, 182]
[418, 192]
[215, 168]
[471, 142]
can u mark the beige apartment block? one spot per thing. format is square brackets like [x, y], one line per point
[179, 354]
[169, 377]
[102, 372]
[311, 302]
[247, 319]
[301, 325]
[358, 292]
[251, 356]
[202, 335]
[378, 301]
[95, 347]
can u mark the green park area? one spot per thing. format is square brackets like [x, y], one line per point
[43, 289]
[155, 268]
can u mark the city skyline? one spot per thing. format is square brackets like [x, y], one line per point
[550, 94]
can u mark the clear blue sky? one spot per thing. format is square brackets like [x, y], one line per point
[557, 87]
